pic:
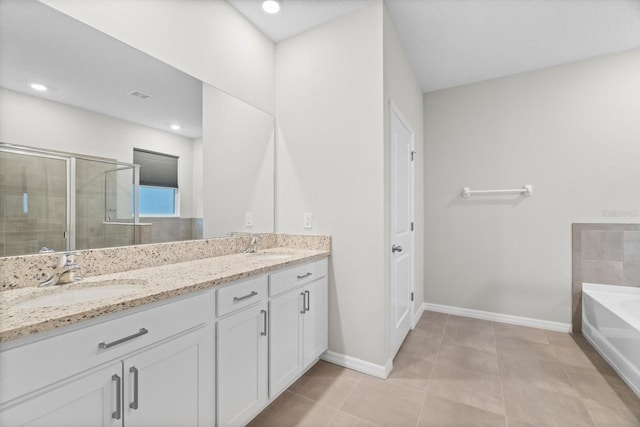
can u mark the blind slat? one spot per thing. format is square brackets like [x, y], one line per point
[156, 169]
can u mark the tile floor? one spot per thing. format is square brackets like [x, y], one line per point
[456, 371]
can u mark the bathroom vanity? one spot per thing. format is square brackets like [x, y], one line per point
[201, 343]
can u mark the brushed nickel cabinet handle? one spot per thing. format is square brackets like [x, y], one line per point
[264, 322]
[396, 248]
[134, 404]
[117, 414]
[141, 332]
[307, 274]
[252, 294]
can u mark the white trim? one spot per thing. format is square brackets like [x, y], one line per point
[498, 317]
[358, 364]
[417, 315]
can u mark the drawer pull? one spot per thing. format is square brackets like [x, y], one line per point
[117, 414]
[134, 404]
[141, 332]
[307, 274]
[252, 294]
[264, 324]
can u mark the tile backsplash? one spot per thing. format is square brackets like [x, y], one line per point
[607, 254]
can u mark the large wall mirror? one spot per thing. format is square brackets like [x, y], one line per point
[67, 147]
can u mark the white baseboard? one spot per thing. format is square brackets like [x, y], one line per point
[358, 364]
[417, 315]
[497, 317]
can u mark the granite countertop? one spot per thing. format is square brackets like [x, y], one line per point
[152, 284]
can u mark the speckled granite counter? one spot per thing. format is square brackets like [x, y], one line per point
[152, 284]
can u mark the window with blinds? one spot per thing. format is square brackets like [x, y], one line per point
[158, 183]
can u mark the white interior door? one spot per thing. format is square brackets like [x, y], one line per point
[401, 228]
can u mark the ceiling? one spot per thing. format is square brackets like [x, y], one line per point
[456, 42]
[89, 69]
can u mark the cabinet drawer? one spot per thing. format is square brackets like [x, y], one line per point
[290, 278]
[37, 364]
[238, 295]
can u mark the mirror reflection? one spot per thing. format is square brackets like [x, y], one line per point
[87, 108]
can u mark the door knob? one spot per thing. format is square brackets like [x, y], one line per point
[395, 248]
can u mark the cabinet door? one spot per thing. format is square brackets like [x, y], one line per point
[171, 384]
[285, 341]
[242, 365]
[87, 400]
[315, 321]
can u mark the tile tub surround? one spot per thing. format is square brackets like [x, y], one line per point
[152, 284]
[29, 270]
[606, 254]
[457, 371]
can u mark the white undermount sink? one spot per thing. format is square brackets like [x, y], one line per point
[95, 292]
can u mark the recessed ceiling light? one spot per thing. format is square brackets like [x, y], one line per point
[39, 87]
[175, 127]
[271, 6]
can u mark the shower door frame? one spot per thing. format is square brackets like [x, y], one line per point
[70, 161]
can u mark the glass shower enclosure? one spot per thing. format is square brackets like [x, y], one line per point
[58, 201]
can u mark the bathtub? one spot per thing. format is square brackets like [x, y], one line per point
[611, 323]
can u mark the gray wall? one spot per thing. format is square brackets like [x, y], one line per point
[572, 131]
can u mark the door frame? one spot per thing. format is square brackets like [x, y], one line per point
[395, 111]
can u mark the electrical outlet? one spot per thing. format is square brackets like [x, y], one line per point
[248, 219]
[307, 220]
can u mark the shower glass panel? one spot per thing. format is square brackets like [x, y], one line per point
[105, 204]
[33, 203]
[55, 201]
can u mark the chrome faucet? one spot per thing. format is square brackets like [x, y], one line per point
[64, 273]
[255, 242]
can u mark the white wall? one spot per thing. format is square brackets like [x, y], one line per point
[401, 86]
[207, 39]
[32, 121]
[572, 131]
[330, 162]
[238, 159]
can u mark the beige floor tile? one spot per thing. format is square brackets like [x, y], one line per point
[567, 340]
[473, 388]
[388, 405]
[519, 332]
[409, 371]
[468, 358]
[342, 419]
[606, 390]
[543, 407]
[607, 416]
[512, 422]
[431, 324]
[420, 346]
[479, 337]
[326, 369]
[469, 322]
[507, 346]
[330, 391]
[538, 373]
[440, 412]
[588, 359]
[291, 410]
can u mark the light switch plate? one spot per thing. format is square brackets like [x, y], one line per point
[248, 219]
[307, 220]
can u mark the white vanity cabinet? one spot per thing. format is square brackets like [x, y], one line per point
[298, 326]
[152, 367]
[242, 351]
